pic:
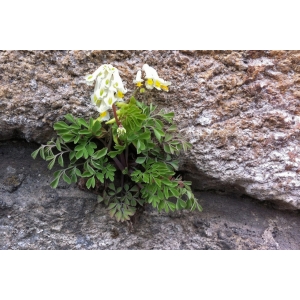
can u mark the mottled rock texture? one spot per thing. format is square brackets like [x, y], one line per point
[240, 109]
[35, 216]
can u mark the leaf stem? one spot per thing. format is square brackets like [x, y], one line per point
[115, 115]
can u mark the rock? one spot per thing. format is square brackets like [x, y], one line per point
[36, 216]
[240, 109]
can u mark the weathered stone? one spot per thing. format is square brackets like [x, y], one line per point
[240, 109]
[35, 216]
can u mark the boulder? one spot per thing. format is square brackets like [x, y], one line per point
[239, 109]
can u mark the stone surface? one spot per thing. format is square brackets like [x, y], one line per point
[240, 109]
[35, 216]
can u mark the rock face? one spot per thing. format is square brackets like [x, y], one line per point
[35, 216]
[240, 109]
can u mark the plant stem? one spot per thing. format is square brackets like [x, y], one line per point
[126, 156]
[115, 115]
[118, 163]
[110, 138]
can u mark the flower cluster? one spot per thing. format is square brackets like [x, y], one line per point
[109, 89]
[152, 79]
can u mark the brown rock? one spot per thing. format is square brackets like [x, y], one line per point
[240, 109]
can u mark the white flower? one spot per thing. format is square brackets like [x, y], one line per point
[110, 99]
[90, 78]
[138, 80]
[104, 116]
[153, 80]
[157, 82]
[165, 86]
[150, 72]
[117, 82]
[95, 101]
[109, 87]
[102, 107]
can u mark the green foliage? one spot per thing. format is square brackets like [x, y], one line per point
[127, 170]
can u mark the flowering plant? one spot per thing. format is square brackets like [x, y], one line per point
[128, 154]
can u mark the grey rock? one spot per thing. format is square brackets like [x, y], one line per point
[35, 216]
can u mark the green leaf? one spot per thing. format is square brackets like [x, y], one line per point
[134, 188]
[166, 192]
[168, 116]
[66, 178]
[91, 123]
[77, 138]
[90, 169]
[79, 154]
[54, 183]
[161, 205]
[35, 153]
[58, 145]
[70, 118]
[111, 205]
[138, 145]
[146, 178]
[60, 125]
[96, 126]
[112, 212]
[42, 153]
[140, 160]
[174, 164]
[172, 128]
[157, 135]
[57, 173]
[85, 153]
[67, 137]
[145, 136]
[84, 131]
[90, 182]
[77, 171]
[99, 198]
[186, 146]
[168, 137]
[157, 181]
[93, 181]
[63, 131]
[80, 147]
[112, 186]
[182, 203]
[89, 149]
[71, 155]
[174, 192]
[171, 205]
[73, 178]
[60, 160]
[118, 216]
[51, 164]
[93, 145]
[86, 174]
[100, 153]
[113, 154]
[82, 122]
[100, 177]
[167, 148]
[110, 175]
